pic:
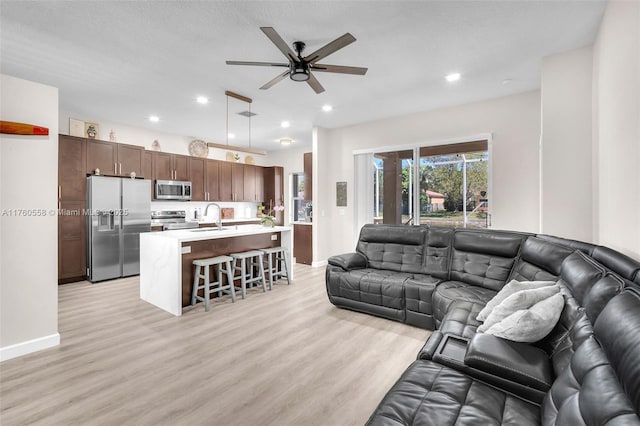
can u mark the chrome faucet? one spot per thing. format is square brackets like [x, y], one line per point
[219, 223]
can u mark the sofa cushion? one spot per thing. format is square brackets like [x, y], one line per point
[601, 384]
[519, 301]
[393, 248]
[428, 393]
[539, 260]
[438, 248]
[484, 258]
[461, 319]
[577, 276]
[531, 324]
[373, 286]
[512, 287]
[448, 292]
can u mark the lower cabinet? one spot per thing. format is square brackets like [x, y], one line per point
[302, 244]
[72, 257]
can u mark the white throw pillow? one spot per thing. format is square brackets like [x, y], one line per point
[510, 288]
[517, 301]
[530, 325]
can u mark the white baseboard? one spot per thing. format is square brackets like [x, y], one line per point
[318, 264]
[24, 348]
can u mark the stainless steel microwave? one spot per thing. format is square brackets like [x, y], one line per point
[173, 190]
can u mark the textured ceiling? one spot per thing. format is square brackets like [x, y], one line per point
[123, 61]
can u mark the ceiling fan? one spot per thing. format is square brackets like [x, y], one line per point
[300, 67]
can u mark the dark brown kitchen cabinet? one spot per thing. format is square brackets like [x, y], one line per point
[72, 262]
[211, 177]
[249, 187]
[147, 169]
[308, 176]
[170, 166]
[302, 244]
[113, 159]
[253, 183]
[72, 184]
[197, 178]
[231, 181]
[224, 182]
[102, 156]
[273, 178]
[130, 160]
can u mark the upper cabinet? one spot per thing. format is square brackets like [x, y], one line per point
[197, 178]
[114, 159]
[253, 183]
[170, 166]
[71, 168]
[231, 181]
[212, 180]
[308, 176]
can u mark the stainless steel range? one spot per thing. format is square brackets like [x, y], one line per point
[172, 219]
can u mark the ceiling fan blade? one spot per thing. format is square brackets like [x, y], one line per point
[273, 82]
[328, 49]
[279, 42]
[339, 69]
[315, 84]
[261, 64]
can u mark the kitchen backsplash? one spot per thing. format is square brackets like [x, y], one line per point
[241, 210]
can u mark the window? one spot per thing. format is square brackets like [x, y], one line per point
[447, 186]
[301, 209]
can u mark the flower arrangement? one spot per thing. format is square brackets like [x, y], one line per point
[269, 218]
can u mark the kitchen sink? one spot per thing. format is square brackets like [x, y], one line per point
[224, 228]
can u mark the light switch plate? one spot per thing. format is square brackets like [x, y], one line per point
[274, 237]
[186, 249]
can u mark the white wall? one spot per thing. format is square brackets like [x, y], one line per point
[616, 87]
[514, 123]
[566, 189]
[175, 144]
[28, 244]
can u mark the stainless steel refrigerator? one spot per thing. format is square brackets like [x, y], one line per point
[119, 209]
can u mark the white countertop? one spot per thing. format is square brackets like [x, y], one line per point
[199, 234]
[302, 223]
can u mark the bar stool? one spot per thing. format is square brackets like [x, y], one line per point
[224, 267]
[276, 258]
[247, 263]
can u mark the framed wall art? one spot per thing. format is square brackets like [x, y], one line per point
[341, 194]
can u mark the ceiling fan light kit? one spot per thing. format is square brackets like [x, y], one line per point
[300, 67]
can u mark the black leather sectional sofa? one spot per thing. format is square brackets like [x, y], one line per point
[585, 371]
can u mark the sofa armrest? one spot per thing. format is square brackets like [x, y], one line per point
[348, 261]
[429, 348]
[517, 362]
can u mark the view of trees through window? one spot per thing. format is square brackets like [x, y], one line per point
[449, 187]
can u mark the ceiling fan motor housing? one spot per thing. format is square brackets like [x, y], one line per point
[300, 68]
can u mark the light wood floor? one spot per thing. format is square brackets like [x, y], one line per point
[285, 357]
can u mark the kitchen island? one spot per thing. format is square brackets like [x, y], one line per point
[166, 270]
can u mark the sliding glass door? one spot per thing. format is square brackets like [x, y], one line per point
[443, 185]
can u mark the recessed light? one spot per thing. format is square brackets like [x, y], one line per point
[506, 81]
[453, 77]
[285, 141]
[202, 100]
[231, 135]
[327, 108]
[285, 124]
[154, 118]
